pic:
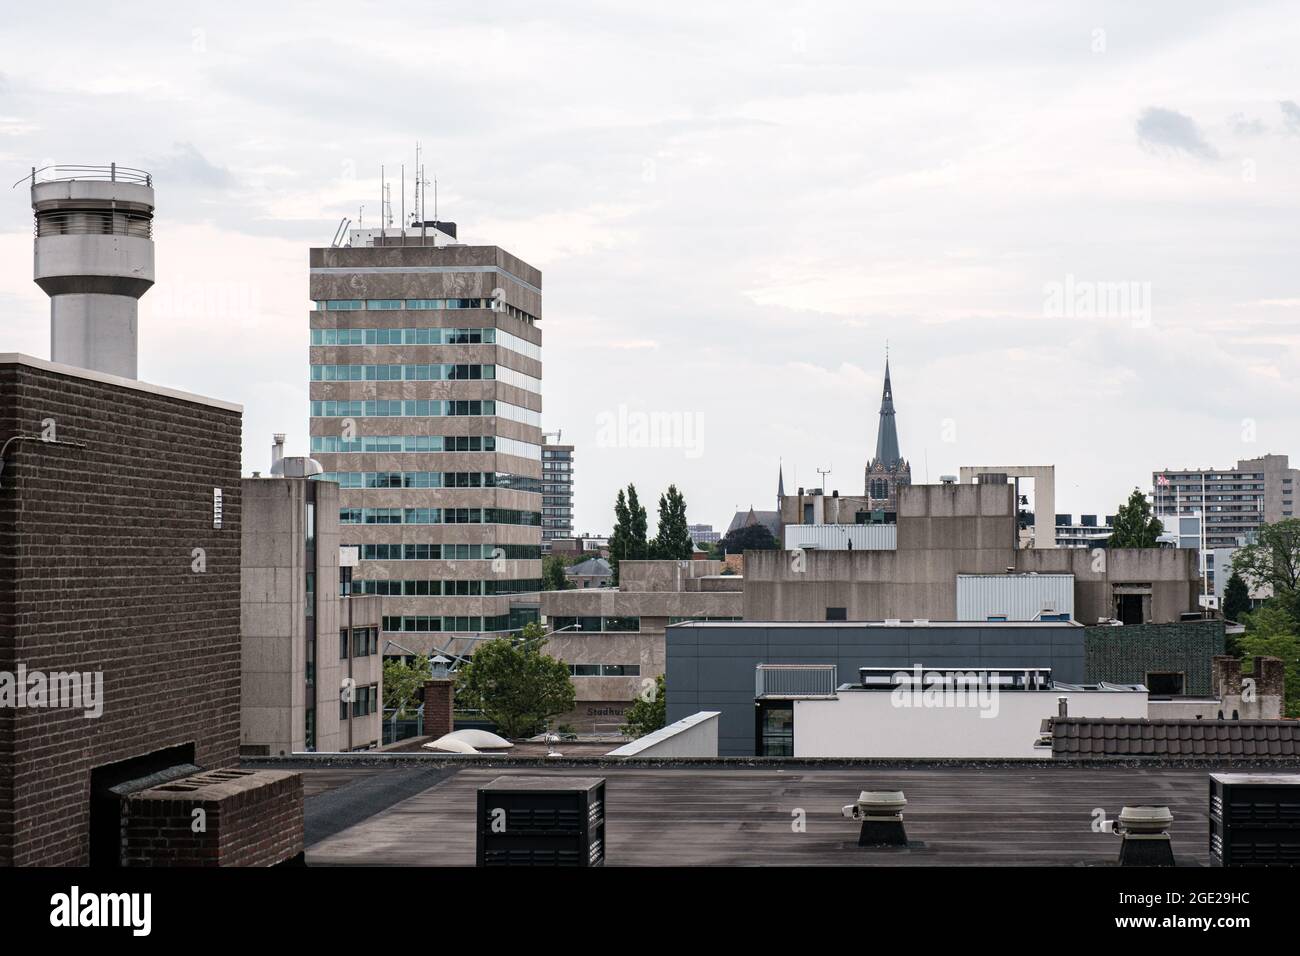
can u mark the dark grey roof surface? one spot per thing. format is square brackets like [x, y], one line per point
[592, 567]
[1121, 737]
[1036, 813]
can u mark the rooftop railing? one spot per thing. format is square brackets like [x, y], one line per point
[112, 173]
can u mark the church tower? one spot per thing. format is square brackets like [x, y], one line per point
[888, 470]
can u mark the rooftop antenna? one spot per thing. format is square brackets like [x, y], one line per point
[823, 472]
[361, 210]
[381, 200]
[403, 203]
[424, 189]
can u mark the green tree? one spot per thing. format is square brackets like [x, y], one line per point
[673, 537]
[403, 681]
[1272, 559]
[1135, 526]
[628, 541]
[1271, 632]
[1236, 598]
[553, 576]
[750, 537]
[648, 712]
[515, 685]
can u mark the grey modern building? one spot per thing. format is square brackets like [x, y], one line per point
[557, 493]
[426, 410]
[712, 666]
[1234, 501]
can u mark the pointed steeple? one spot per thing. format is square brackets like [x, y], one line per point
[887, 433]
[780, 484]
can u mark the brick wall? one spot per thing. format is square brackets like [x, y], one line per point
[96, 552]
[439, 703]
[244, 818]
[1125, 655]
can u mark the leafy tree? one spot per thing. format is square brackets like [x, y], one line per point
[1273, 559]
[750, 537]
[645, 716]
[1271, 632]
[1135, 526]
[515, 685]
[402, 681]
[628, 541]
[673, 537]
[553, 576]
[1236, 598]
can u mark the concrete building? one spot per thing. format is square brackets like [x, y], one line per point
[1044, 497]
[557, 493]
[613, 638]
[946, 530]
[426, 410]
[312, 673]
[1090, 531]
[1234, 501]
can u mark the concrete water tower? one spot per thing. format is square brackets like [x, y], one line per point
[94, 259]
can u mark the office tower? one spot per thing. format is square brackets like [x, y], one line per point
[557, 493]
[426, 409]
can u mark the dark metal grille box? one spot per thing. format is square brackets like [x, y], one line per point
[1255, 819]
[541, 821]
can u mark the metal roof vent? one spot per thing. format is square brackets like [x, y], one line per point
[1145, 836]
[881, 813]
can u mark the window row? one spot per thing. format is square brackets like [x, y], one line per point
[431, 372]
[331, 444]
[364, 643]
[365, 701]
[417, 588]
[605, 670]
[432, 479]
[425, 408]
[449, 552]
[476, 336]
[438, 516]
[596, 624]
[422, 622]
[389, 305]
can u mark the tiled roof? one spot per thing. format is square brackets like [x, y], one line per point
[1125, 737]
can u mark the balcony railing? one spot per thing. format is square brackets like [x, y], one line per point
[795, 680]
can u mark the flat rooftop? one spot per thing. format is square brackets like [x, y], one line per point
[970, 814]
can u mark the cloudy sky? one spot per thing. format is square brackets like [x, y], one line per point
[1076, 225]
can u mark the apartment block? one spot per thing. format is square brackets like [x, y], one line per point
[557, 493]
[426, 410]
[1235, 501]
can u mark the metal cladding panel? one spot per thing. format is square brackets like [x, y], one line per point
[836, 537]
[1017, 597]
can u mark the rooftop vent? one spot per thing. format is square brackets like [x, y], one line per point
[881, 813]
[1144, 833]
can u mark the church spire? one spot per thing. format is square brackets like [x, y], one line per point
[780, 483]
[887, 433]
